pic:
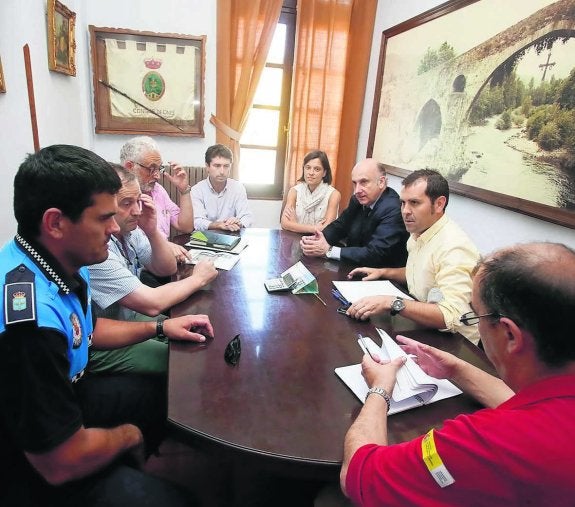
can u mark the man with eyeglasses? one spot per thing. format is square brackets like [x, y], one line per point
[519, 449]
[220, 202]
[142, 156]
[439, 262]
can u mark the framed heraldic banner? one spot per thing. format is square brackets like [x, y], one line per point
[148, 83]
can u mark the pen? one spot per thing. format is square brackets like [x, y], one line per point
[337, 295]
[345, 301]
[317, 296]
[338, 298]
[359, 335]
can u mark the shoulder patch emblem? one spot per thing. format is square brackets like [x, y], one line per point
[76, 330]
[19, 302]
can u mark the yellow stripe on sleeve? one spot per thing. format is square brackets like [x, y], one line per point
[433, 461]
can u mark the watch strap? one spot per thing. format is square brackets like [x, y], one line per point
[160, 328]
[382, 392]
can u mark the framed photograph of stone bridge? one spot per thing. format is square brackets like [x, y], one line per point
[484, 92]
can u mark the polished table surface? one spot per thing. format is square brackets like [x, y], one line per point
[283, 405]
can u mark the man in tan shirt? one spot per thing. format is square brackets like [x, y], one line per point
[440, 260]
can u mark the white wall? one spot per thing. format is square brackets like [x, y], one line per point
[64, 104]
[58, 97]
[194, 17]
[489, 226]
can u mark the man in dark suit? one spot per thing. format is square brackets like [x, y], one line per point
[370, 231]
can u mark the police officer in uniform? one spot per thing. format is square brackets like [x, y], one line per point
[70, 439]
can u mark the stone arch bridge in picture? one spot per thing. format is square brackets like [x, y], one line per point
[430, 111]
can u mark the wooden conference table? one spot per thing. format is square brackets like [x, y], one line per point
[282, 407]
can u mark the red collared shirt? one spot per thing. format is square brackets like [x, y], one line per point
[520, 453]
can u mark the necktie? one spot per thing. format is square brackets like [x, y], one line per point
[365, 212]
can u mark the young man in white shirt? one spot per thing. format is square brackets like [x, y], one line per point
[219, 201]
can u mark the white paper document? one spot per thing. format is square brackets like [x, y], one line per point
[221, 260]
[354, 290]
[413, 387]
[302, 276]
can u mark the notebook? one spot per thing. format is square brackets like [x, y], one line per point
[213, 240]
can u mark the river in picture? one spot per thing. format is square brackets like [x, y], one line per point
[504, 161]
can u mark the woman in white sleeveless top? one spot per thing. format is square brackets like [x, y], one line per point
[312, 203]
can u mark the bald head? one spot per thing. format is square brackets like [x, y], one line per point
[369, 181]
[534, 285]
[549, 263]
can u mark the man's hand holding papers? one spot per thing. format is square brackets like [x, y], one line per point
[413, 386]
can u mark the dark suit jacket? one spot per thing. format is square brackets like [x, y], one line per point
[376, 239]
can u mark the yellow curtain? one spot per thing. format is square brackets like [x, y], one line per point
[333, 44]
[245, 32]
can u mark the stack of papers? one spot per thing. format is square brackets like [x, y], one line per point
[225, 260]
[221, 260]
[413, 387]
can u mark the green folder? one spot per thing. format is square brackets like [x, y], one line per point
[213, 240]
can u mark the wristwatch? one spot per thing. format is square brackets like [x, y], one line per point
[328, 253]
[160, 328]
[396, 306]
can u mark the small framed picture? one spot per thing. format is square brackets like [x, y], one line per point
[61, 38]
[2, 82]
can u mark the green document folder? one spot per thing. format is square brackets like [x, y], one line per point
[213, 240]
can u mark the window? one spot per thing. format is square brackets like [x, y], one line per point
[264, 141]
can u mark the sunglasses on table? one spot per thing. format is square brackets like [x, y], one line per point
[233, 351]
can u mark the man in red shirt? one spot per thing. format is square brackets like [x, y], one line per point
[517, 451]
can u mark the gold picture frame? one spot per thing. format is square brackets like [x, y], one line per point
[2, 82]
[147, 82]
[61, 38]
